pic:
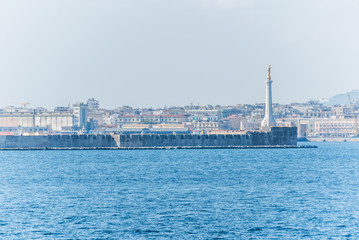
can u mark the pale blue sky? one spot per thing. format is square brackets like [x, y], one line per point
[156, 52]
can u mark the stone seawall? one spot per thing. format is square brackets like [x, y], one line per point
[275, 136]
[58, 141]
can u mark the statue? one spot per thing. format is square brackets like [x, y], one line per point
[268, 74]
[268, 120]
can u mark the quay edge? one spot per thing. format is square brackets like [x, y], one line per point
[161, 148]
[273, 137]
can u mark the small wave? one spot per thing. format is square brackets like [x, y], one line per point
[255, 229]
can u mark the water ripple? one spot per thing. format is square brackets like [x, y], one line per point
[181, 194]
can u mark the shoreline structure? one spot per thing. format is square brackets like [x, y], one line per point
[272, 137]
[157, 148]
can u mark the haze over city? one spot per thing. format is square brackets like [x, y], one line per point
[179, 119]
[156, 53]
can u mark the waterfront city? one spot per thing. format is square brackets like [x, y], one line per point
[332, 118]
[165, 119]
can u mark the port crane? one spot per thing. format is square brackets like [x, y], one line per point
[351, 105]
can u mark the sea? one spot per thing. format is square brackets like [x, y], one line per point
[181, 194]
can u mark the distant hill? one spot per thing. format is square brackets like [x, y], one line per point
[341, 98]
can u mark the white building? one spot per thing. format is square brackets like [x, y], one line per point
[55, 121]
[305, 126]
[152, 119]
[237, 122]
[80, 115]
[32, 122]
[204, 115]
[336, 127]
[93, 104]
[111, 119]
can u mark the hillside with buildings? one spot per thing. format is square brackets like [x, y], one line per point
[343, 98]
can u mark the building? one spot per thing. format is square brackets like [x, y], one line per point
[152, 119]
[21, 122]
[305, 126]
[93, 104]
[111, 119]
[237, 122]
[56, 122]
[206, 126]
[342, 110]
[337, 127]
[209, 115]
[61, 110]
[80, 115]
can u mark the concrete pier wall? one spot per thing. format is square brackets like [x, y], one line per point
[58, 141]
[272, 137]
[275, 136]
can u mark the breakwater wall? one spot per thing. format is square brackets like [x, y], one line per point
[275, 136]
[57, 141]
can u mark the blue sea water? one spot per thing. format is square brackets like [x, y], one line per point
[181, 194]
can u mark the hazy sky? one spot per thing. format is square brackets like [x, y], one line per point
[174, 52]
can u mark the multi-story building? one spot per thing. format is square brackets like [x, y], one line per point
[203, 115]
[17, 119]
[55, 121]
[342, 110]
[305, 126]
[206, 126]
[152, 119]
[319, 113]
[32, 121]
[237, 122]
[61, 110]
[93, 104]
[111, 119]
[336, 127]
[80, 115]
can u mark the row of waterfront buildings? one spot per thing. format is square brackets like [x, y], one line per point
[312, 119]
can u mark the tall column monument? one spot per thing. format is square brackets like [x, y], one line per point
[268, 120]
